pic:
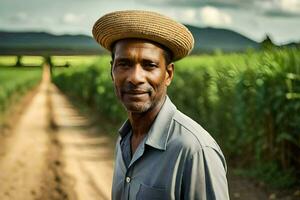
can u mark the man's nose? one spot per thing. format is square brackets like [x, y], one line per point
[136, 75]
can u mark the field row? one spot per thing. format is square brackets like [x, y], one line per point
[14, 83]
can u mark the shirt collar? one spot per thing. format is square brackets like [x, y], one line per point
[158, 134]
[159, 131]
[125, 129]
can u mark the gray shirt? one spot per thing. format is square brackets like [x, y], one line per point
[177, 159]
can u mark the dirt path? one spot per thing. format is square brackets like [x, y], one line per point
[41, 161]
[241, 188]
[23, 162]
[87, 154]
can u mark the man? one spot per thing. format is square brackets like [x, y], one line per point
[161, 153]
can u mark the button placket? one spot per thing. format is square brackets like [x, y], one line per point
[128, 179]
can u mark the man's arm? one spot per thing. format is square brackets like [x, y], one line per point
[205, 176]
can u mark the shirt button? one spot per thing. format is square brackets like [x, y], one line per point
[128, 179]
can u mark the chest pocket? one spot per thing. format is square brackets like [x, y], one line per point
[151, 193]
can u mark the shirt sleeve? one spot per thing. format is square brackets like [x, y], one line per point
[204, 176]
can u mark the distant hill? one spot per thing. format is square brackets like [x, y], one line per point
[292, 45]
[39, 43]
[210, 39]
[45, 43]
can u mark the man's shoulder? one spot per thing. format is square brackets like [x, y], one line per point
[190, 134]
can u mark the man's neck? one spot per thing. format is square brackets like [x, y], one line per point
[141, 122]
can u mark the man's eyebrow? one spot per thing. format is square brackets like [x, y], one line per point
[122, 59]
[150, 61]
[144, 60]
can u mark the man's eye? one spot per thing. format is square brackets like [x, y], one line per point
[122, 64]
[151, 65]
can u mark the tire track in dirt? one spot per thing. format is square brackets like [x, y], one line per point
[86, 153]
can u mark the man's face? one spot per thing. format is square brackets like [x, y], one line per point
[140, 74]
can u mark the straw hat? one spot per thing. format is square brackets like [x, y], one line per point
[144, 25]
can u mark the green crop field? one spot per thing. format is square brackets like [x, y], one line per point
[26, 60]
[74, 60]
[38, 60]
[14, 82]
[249, 102]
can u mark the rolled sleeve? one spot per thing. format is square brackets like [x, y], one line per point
[205, 176]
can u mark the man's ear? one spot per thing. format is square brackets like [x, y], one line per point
[169, 73]
[111, 68]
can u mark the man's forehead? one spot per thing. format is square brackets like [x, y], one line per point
[133, 47]
[136, 43]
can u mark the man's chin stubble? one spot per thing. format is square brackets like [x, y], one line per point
[137, 108]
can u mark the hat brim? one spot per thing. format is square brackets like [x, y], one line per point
[144, 25]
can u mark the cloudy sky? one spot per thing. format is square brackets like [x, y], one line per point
[252, 18]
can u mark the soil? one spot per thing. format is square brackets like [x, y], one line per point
[51, 151]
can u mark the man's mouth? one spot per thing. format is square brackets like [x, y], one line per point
[136, 92]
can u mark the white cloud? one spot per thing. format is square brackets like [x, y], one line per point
[279, 7]
[20, 17]
[47, 20]
[203, 16]
[73, 19]
[288, 5]
[214, 17]
[188, 15]
[182, 15]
